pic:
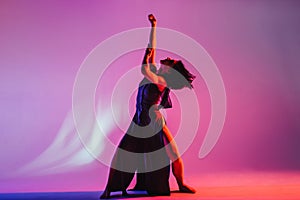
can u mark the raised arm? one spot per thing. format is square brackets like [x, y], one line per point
[149, 57]
[149, 74]
[152, 38]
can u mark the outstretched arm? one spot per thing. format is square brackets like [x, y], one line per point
[149, 74]
[150, 56]
[152, 38]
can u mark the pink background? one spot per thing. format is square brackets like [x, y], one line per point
[255, 44]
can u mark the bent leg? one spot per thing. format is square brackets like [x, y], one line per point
[177, 163]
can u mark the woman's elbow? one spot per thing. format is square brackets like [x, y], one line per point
[143, 70]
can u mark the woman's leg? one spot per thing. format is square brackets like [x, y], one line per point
[106, 192]
[177, 163]
[122, 169]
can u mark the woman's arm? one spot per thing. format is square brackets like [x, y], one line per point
[150, 56]
[149, 74]
[152, 38]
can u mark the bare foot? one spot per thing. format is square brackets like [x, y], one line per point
[186, 189]
[105, 195]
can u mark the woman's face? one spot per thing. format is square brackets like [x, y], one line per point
[165, 65]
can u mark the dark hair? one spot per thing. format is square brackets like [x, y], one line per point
[179, 77]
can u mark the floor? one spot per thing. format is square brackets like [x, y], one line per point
[229, 186]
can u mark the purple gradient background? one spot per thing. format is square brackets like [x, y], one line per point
[255, 44]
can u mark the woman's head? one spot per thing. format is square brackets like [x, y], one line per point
[175, 73]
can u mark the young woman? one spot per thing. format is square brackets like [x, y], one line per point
[148, 146]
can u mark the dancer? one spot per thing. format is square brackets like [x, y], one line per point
[148, 132]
